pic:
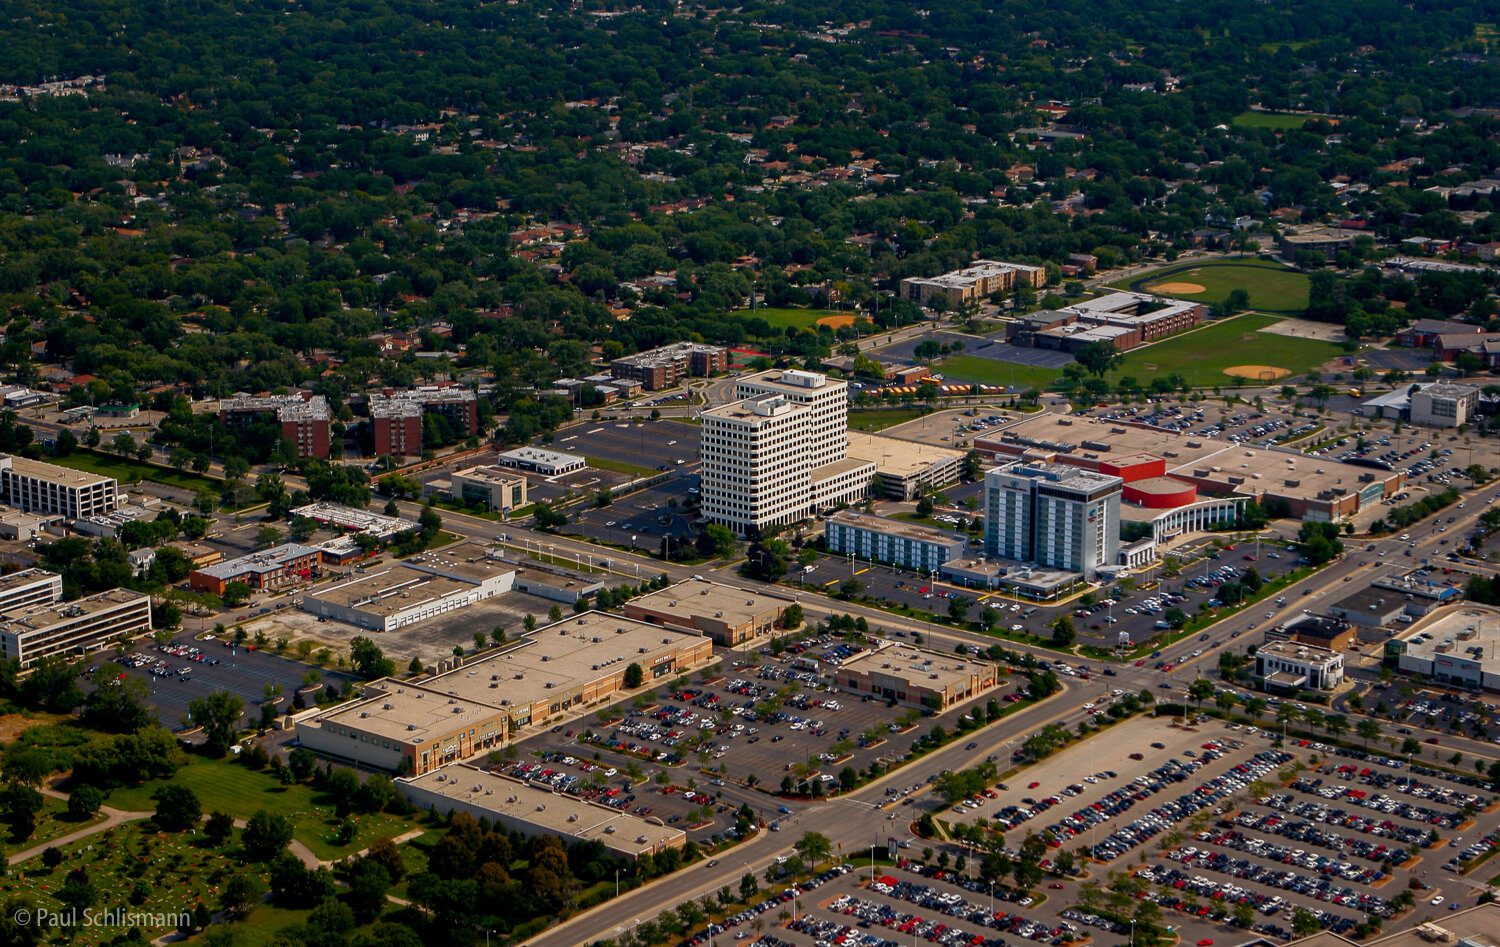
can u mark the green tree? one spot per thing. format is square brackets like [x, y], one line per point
[177, 808]
[218, 716]
[634, 675]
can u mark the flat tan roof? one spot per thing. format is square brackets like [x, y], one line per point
[897, 457]
[468, 561]
[66, 476]
[931, 669]
[1480, 925]
[700, 596]
[555, 813]
[565, 655]
[389, 590]
[1184, 454]
[409, 714]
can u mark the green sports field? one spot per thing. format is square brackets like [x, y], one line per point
[1200, 356]
[126, 470]
[782, 317]
[1275, 120]
[1272, 287]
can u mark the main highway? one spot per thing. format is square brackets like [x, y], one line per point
[854, 821]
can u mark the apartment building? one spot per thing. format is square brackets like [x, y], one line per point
[664, 367]
[973, 283]
[780, 452]
[396, 416]
[36, 487]
[304, 418]
[30, 633]
[1053, 515]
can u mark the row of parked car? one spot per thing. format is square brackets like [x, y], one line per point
[1221, 895]
[1204, 796]
[1326, 866]
[750, 913]
[1310, 815]
[1380, 802]
[1286, 879]
[1408, 785]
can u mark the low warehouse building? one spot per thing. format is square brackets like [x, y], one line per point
[419, 588]
[417, 726]
[1458, 646]
[274, 568]
[530, 810]
[905, 467]
[727, 614]
[905, 674]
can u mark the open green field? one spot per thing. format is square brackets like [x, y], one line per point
[132, 471]
[1276, 120]
[620, 467]
[989, 371]
[1272, 287]
[781, 317]
[878, 419]
[229, 787]
[1200, 356]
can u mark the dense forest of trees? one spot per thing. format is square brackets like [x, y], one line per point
[241, 190]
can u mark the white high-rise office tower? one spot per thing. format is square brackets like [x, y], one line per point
[780, 453]
[1053, 515]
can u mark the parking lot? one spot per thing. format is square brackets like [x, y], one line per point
[641, 520]
[660, 444]
[762, 721]
[1225, 829]
[177, 675]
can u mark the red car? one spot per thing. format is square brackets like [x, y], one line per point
[1055, 886]
[1033, 785]
[1206, 942]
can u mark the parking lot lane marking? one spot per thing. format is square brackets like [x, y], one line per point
[575, 436]
[863, 571]
[829, 582]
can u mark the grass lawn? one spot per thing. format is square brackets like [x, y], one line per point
[989, 371]
[1200, 356]
[780, 317]
[132, 471]
[224, 786]
[878, 419]
[619, 466]
[51, 823]
[1276, 120]
[1272, 287]
[134, 868]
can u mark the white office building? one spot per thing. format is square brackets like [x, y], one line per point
[1053, 515]
[911, 545]
[82, 626]
[37, 487]
[780, 453]
[1291, 665]
[1444, 405]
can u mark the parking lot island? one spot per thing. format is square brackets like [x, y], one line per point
[476, 705]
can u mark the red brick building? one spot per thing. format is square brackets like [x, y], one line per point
[396, 416]
[303, 417]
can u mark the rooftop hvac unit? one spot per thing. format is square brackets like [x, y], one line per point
[573, 817]
[442, 777]
[546, 657]
[541, 806]
[458, 710]
[363, 714]
[411, 726]
[478, 787]
[511, 799]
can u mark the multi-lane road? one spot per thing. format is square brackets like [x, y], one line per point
[855, 821]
